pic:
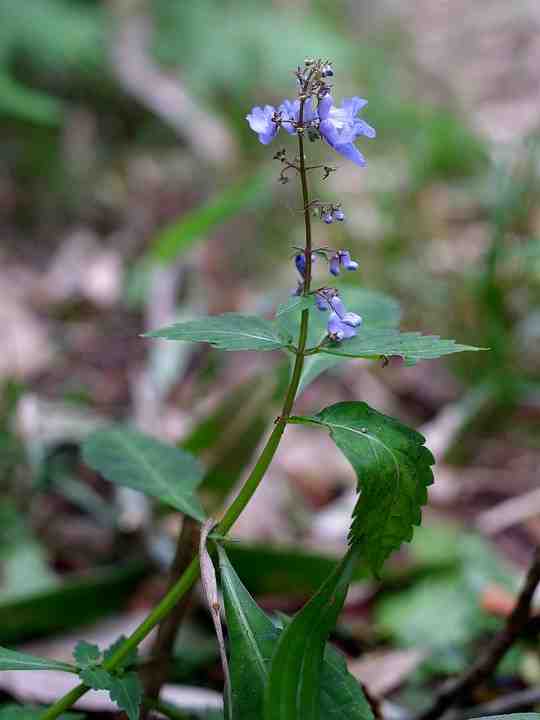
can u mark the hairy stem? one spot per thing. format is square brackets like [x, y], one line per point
[233, 512]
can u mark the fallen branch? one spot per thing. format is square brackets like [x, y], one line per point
[487, 662]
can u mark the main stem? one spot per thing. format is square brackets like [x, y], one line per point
[233, 512]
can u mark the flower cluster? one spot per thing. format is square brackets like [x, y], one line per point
[331, 213]
[341, 324]
[339, 127]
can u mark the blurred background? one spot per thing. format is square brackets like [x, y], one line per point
[133, 194]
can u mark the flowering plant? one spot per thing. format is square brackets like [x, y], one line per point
[276, 669]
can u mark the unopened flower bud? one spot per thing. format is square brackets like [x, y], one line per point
[327, 71]
[328, 218]
[334, 265]
[339, 215]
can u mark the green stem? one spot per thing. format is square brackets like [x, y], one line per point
[165, 709]
[192, 572]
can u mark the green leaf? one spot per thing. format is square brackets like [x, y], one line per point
[127, 693]
[86, 654]
[17, 712]
[411, 346]
[253, 638]
[296, 303]
[12, 660]
[125, 690]
[293, 690]
[230, 331]
[134, 460]
[182, 234]
[393, 468]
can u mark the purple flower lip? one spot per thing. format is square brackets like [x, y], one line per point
[261, 120]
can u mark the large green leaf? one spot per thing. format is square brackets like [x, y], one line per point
[196, 224]
[12, 660]
[253, 638]
[394, 469]
[294, 685]
[132, 459]
[230, 331]
[411, 346]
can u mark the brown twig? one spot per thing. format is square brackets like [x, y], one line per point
[487, 662]
[168, 629]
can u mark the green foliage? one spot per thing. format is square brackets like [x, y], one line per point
[11, 660]
[86, 654]
[195, 225]
[134, 460]
[124, 690]
[253, 638]
[230, 331]
[393, 468]
[294, 684]
[376, 309]
[411, 346]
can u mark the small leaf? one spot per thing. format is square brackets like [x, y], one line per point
[12, 660]
[126, 691]
[86, 654]
[134, 460]
[411, 346]
[294, 685]
[253, 638]
[230, 331]
[393, 468]
[96, 678]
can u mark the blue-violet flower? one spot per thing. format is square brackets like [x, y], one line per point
[340, 127]
[260, 120]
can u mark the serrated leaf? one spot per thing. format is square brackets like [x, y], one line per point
[394, 470]
[230, 331]
[293, 690]
[138, 461]
[18, 712]
[126, 691]
[86, 654]
[411, 346]
[12, 660]
[253, 638]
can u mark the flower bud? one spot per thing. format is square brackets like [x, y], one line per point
[328, 218]
[339, 215]
[334, 265]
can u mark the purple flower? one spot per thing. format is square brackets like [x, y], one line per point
[340, 127]
[339, 215]
[342, 258]
[328, 299]
[300, 262]
[328, 218]
[338, 329]
[334, 264]
[260, 120]
[290, 113]
[345, 259]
